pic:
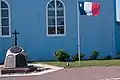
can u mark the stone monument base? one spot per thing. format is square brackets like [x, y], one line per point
[18, 70]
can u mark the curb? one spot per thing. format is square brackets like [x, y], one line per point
[53, 68]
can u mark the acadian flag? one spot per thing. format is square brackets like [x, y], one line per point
[89, 8]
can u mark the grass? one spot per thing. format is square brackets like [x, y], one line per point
[84, 63]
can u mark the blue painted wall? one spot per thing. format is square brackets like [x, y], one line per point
[29, 18]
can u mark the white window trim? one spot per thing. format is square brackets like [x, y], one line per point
[56, 21]
[6, 36]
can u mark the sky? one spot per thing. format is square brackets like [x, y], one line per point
[118, 10]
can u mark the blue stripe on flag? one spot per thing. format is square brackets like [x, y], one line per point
[81, 7]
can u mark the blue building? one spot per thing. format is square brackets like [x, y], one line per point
[46, 26]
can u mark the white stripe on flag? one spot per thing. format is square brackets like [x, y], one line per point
[118, 10]
[88, 8]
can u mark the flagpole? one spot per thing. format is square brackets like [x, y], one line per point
[78, 23]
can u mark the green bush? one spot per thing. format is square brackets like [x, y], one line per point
[76, 57]
[94, 55]
[108, 57]
[61, 55]
[118, 55]
[82, 56]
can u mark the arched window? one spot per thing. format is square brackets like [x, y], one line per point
[55, 18]
[5, 19]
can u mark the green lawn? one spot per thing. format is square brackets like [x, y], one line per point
[85, 63]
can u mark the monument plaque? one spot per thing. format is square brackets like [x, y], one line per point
[9, 61]
[21, 60]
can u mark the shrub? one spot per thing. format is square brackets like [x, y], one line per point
[94, 55]
[61, 55]
[108, 57]
[118, 55]
[76, 57]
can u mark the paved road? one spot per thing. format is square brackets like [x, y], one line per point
[93, 73]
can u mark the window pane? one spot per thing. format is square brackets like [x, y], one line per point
[51, 13]
[51, 30]
[60, 30]
[59, 4]
[5, 30]
[60, 13]
[3, 4]
[51, 21]
[60, 21]
[52, 3]
[5, 21]
[4, 13]
[49, 6]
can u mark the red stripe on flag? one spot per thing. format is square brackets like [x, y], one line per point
[96, 9]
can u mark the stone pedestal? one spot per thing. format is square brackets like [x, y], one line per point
[16, 62]
[15, 58]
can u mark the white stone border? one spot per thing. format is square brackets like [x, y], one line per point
[53, 68]
[111, 79]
